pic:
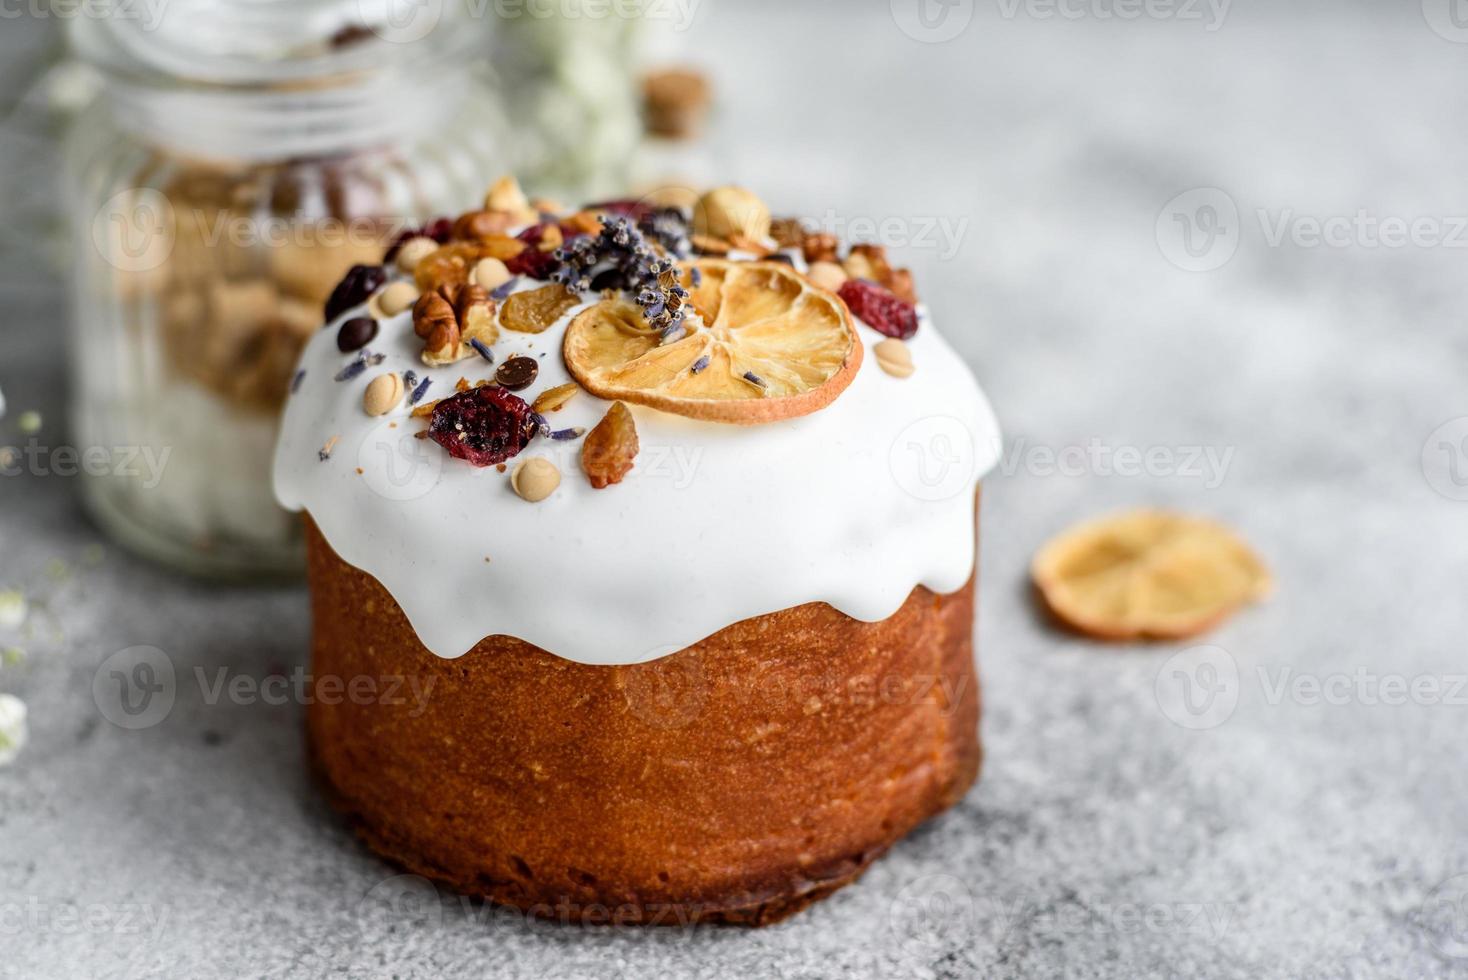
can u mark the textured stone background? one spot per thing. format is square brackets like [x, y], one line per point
[1106, 839]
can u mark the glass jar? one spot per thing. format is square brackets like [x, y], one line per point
[239, 159]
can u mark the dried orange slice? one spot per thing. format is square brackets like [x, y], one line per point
[765, 345]
[1148, 574]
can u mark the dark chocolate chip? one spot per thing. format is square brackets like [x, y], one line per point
[355, 334]
[518, 373]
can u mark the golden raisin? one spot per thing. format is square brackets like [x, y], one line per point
[610, 448]
[537, 309]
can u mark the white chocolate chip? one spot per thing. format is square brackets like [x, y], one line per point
[535, 479]
[827, 275]
[894, 358]
[396, 298]
[415, 250]
[491, 274]
[383, 394]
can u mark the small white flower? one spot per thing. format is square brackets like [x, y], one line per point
[13, 610]
[13, 731]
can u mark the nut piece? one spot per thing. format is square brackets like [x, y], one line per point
[431, 311]
[505, 195]
[820, 247]
[894, 358]
[827, 275]
[383, 394]
[415, 250]
[490, 274]
[482, 224]
[396, 298]
[610, 448]
[535, 478]
[729, 212]
[555, 399]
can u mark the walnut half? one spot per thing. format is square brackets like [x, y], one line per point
[450, 318]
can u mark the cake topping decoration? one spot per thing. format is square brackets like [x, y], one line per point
[536, 310]
[610, 448]
[482, 350]
[360, 282]
[894, 358]
[555, 399]
[483, 426]
[383, 394]
[355, 334]
[352, 370]
[419, 391]
[517, 373]
[880, 309]
[765, 346]
[296, 381]
[535, 479]
[325, 451]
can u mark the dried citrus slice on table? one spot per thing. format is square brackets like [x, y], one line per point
[764, 345]
[1148, 574]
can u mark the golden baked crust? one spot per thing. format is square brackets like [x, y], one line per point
[738, 780]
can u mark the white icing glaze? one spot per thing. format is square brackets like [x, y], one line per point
[854, 505]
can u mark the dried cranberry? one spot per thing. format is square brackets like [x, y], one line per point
[483, 426]
[360, 282]
[880, 309]
[439, 229]
[355, 334]
[534, 263]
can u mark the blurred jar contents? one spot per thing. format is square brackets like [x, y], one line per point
[239, 159]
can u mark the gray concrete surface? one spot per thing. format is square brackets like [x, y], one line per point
[1116, 832]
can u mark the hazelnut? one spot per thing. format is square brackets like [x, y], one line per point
[415, 250]
[396, 298]
[827, 275]
[482, 224]
[535, 479]
[726, 212]
[383, 394]
[894, 358]
[505, 195]
[491, 274]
